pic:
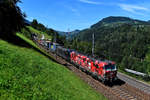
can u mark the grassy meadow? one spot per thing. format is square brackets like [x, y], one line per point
[26, 74]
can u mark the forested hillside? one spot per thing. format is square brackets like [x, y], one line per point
[120, 39]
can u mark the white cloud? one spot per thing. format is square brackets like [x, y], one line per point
[90, 2]
[75, 11]
[133, 8]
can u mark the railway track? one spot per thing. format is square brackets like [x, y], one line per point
[133, 82]
[119, 90]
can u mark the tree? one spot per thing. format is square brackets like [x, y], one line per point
[11, 18]
[34, 23]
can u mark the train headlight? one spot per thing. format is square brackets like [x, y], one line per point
[89, 64]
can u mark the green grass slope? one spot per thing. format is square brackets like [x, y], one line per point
[38, 32]
[26, 74]
[28, 30]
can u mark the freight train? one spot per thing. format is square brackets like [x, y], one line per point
[103, 70]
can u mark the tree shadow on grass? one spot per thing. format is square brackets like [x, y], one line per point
[15, 40]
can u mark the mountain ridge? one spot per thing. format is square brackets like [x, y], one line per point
[114, 20]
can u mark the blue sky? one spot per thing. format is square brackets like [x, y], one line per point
[64, 15]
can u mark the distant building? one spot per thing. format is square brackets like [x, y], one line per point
[43, 37]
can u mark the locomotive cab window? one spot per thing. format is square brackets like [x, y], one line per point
[113, 67]
[107, 68]
[110, 67]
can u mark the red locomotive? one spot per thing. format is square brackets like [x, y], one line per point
[103, 70]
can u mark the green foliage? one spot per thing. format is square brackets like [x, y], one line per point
[26, 74]
[34, 23]
[84, 47]
[124, 63]
[11, 18]
[147, 78]
[49, 32]
[39, 26]
[28, 30]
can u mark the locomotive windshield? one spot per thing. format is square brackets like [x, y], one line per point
[107, 68]
[113, 67]
[110, 67]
